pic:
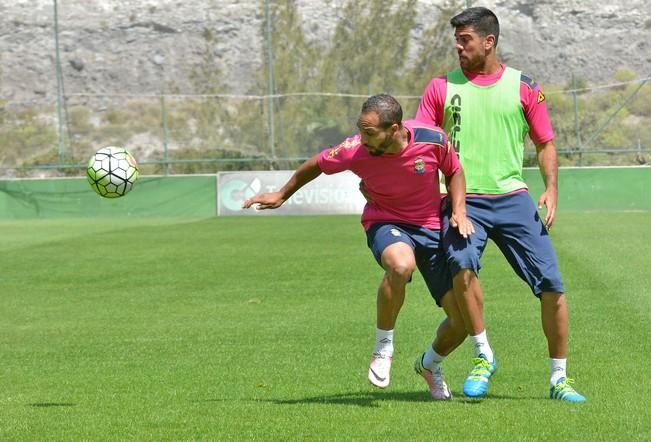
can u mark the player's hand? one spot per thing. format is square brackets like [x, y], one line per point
[462, 223]
[364, 193]
[262, 201]
[549, 200]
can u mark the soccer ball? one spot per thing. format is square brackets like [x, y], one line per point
[112, 171]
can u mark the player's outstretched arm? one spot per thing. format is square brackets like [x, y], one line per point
[457, 190]
[548, 164]
[306, 172]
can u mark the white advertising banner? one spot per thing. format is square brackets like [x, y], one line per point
[326, 195]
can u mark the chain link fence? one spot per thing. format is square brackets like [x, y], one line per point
[595, 124]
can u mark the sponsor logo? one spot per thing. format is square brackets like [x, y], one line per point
[455, 106]
[234, 192]
[350, 142]
[334, 151]
[346, 144]
[540, 98]
[379, 378]
[395, 232]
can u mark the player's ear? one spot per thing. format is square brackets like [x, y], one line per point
[489, 42]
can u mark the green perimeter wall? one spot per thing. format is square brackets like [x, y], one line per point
[179, 196]
[588, 188]
[195, 195]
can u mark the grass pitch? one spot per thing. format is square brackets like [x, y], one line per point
[262, 328]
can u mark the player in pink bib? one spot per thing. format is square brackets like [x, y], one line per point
[401, 184]
[399, 163]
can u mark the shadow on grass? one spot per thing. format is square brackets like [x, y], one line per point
[359, 398]
[50, 404]
[374, 398]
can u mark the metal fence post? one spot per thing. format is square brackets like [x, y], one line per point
[579, 144]
[62, 144]
[163, 116]
[270, 85]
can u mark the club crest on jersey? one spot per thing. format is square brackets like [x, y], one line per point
[419, 166]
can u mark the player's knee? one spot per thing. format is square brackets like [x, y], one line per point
[399, 275]
[401, 272]
[553, 298]
[463, 278]
[399, 261]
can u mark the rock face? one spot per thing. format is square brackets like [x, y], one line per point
[151, 46]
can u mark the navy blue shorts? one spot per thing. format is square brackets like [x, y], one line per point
[512, 222]
[426, 244]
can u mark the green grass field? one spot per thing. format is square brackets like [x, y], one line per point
[262, 328]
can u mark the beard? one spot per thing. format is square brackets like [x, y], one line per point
[473, 64]
[382, 148]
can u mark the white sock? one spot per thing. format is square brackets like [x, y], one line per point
[481, 345]
[558, 369]
[432, 359]
[384, 342]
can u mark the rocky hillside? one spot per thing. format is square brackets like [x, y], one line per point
[149, 46]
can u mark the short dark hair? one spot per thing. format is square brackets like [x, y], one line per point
[483, 20]
[387, 108]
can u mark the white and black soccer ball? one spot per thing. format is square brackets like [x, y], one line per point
[112, 171]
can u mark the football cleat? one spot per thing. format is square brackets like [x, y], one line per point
[564, 391]
[437, 386]
[476, 384]
[379, 371]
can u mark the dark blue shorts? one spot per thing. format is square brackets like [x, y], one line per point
[512, 222]
[426, 244]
